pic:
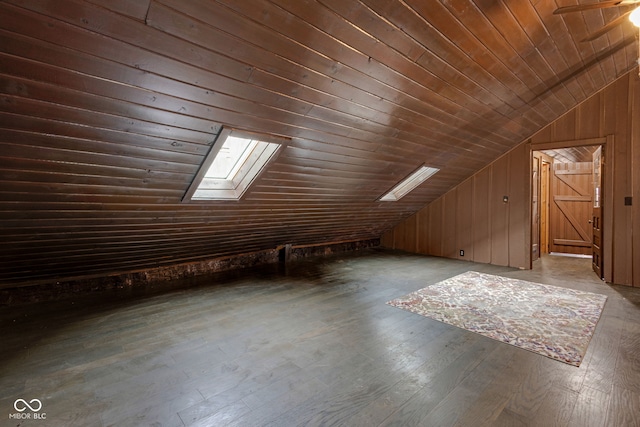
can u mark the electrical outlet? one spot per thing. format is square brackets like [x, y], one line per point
[461, 252]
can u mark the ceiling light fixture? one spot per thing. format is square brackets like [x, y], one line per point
[635, 17]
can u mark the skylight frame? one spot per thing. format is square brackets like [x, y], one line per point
[407, 185]
[241, 177]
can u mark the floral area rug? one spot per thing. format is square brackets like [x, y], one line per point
[552, 321]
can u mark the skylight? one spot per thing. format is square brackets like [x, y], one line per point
[232, 155]
[409, 183]
[234, 162]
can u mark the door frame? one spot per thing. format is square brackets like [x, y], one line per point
[545, 188]
[536, 208]
[543, 203]
[607, 144]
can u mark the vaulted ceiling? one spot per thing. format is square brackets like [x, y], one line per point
[108, 108]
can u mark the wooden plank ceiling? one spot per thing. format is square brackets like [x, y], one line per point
[572, 154]
[108, 107]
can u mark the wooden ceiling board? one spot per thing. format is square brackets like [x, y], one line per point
[109, 107]
[572, 154]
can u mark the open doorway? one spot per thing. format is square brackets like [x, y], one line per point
[566, 203]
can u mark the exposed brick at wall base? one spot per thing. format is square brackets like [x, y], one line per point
[139, 280]
[134, 279]
[300, 252]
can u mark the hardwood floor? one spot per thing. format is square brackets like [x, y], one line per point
[311, 344]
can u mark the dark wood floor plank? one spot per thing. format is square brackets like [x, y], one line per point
[443, 382]
[224, 416]
[624, 407]
[485, 410]
[604, 349]
[557, 407]
[289, 394]
[470, 391]
[414, 368]
[628, 363]
[532, 389]
[164, 407]
[590, 408]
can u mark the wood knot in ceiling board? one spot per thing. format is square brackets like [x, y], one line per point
[14, 88]
[249, 74]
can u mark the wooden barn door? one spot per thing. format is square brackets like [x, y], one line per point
[571, 208]
[597, 213]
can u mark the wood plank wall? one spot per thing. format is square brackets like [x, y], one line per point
[473, 217]
[635, 183]
[501, 231]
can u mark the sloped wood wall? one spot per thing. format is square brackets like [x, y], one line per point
[473, 217]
